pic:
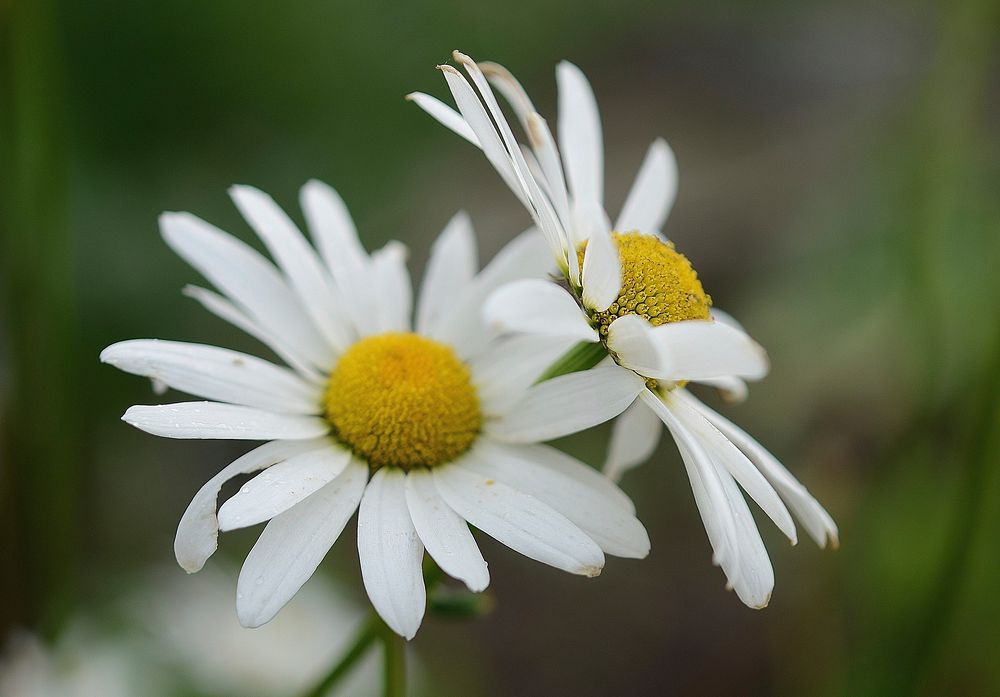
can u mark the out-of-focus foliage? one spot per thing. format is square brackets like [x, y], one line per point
[840, 164]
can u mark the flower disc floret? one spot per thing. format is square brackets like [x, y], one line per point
[403, 400]
[658, 284]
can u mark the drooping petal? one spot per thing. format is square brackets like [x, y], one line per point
[706, 485]
[817, 522]
[248, 280]
[198, 530]
[293, 544]
[568, 404]
[580, 139]
[729, 458]
[699, 349]
[391, 552]
[519, 521]
[450, 270]
[753, 581]
[535, 306]
[226, 421]
[282, 486]
[445, 535]
[217, 374]
[653, 192]
[615, 529]
[602, 271]
[634, 438]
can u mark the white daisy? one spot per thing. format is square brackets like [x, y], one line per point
[630, 294]
[423, 430]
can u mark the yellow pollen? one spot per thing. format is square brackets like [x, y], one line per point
[403, 400]
[658, 283]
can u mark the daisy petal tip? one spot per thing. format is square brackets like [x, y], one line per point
[591, 571]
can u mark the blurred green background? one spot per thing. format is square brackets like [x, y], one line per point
[840, 170]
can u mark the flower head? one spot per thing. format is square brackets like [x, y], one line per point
[422, 429]
[628, 289]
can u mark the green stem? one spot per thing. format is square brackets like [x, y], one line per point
[583, 356]
[395, 663]
[365, 639]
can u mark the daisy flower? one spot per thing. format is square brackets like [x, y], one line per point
[632, 299]
[421, 430]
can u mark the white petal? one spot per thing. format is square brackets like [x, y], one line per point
[523, 257]
[535, 306]
[699, 349]
[726, 318]
[580, 139]
[451, 268]
[489, 139]
[728, 457]
[280, 487]
[519, 521]
[753, 581]
[634, 438]
[602, 271]
[198, 531]
[222, 308]
[508, 86]
[303, 270]
[611, 526]
[336, 237]
[548, 161]
[248, 280]
[217, 374]
[653, 192]
[393, 292]
[445, 115]
[568, 404]
[511, 366]
[391, 552]
[227, 421]
[818, 523]
[539, 205]
[732, 389]
[445, 535]
[630, 339]
[293, 544]
[706, 485]
[558, 461]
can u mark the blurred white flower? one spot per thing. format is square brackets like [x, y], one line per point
[627, 290]
[422, 431]
[82, 664]
[189, 627]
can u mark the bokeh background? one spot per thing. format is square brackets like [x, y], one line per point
[840, 172]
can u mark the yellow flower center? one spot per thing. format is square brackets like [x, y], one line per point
[658, 283]
[403, 400]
